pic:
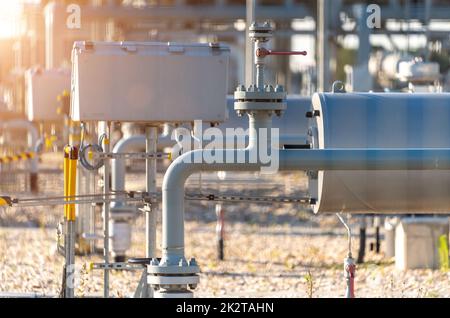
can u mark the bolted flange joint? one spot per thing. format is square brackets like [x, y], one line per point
[173, 280]
[269, 99]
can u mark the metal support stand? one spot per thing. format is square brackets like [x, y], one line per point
[151, 141]
[106, 190]
[220, 231]
[362, 240]
[70, 259]
[70, 179]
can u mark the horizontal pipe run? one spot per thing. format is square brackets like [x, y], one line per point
[365, 159]
[289, 160]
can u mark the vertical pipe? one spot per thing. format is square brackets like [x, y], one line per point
[151, 140]
[151, 134]
[249, 54]
[323, 52]
[260, 76]
[106, 190]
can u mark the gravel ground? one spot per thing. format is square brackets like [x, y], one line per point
[270, 251]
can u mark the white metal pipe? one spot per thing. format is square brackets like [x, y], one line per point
[106, 208]
[151, 145]
[289, 160]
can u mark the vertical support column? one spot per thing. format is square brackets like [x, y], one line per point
[220, 232]
[323, 50]
[65, 292]
[106, 190]
[249, 52]
[70, 180]
[151, 141]
[362, 240]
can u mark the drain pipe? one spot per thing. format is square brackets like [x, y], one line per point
[33, 145]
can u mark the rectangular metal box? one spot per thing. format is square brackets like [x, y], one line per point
[42, 90]
[149, 82]
[417, 242]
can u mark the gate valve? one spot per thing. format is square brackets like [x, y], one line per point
[262, 52]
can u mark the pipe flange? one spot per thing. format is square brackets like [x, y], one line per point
[173, 278]
[260, 31]
[268, 94]
[184, 268]
[172, 294]
[255, 99]
[158, 280]
[260, 106]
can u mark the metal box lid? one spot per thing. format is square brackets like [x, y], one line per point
[149, 82]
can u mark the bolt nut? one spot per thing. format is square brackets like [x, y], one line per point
[279, 113]
[312, 114]
[182, 263]
[192, 262]
[279, 89]
[240, 88]
[154, 262]
[193, 286]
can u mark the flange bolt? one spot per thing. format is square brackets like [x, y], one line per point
[279, 89]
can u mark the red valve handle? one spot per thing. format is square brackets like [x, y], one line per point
[261, 52]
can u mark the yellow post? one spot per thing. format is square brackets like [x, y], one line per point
[73, 158]
[66, 179]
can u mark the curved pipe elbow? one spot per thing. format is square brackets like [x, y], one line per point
[194, 161]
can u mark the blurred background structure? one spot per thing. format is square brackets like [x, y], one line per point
[37, 33]
[379, 46]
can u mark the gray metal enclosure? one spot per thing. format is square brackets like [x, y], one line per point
[377, 120]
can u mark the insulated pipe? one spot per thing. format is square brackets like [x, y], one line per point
[289, 160]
